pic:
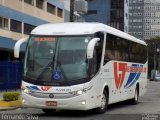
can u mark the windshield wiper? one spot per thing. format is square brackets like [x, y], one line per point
[44, 70]
[48, 66]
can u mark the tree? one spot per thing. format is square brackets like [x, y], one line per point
[154, 54]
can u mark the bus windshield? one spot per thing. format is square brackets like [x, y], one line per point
[52, 60]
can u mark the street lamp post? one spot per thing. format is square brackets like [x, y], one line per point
[154, 73]
[158, 50]
[155, 60]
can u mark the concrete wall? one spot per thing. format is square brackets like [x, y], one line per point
[26, 13]
[21, 6]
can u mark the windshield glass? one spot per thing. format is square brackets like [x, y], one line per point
[56, 59]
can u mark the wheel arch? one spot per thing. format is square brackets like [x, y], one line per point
[106, 88]
[138, 87]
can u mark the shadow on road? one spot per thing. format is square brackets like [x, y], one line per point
[69, 113]
[81, 114]
[119, 105]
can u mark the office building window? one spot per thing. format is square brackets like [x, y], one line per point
[31, 2]
[39, 4]
[59, 12]
[16, 26]
[1, 22]
[51, 8]
[28, 28]
[4, 23]
[92, 12]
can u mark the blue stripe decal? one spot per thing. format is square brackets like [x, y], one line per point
[33, 88]
[137, 77]
[133, 77]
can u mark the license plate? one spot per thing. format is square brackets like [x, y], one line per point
[51, 103]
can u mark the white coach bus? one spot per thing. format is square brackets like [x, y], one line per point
[82, 66]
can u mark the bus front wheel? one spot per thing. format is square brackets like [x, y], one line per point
[104, 103]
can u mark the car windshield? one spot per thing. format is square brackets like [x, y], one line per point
[56, 59]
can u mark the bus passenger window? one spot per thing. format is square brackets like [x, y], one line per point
[116, 49]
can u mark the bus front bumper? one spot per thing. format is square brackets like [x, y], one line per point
[80, 102]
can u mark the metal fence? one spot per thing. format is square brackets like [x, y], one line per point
[10, 75]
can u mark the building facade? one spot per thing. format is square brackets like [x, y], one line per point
[111, 12]
[98, 11]
[125, 15]
[136, 24]
[117, 14]
[18, 18]
[66, 10]
[151, 19]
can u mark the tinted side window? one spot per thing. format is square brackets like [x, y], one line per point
[111, 46]
[116, 49]
[137, 52]
[120, 49]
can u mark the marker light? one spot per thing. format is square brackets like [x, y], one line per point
[23, 101]
[83, 102]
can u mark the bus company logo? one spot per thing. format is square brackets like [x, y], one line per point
[119, 73]
[45, 88]
[120, 70]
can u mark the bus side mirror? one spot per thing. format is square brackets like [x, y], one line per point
[91, 46]
[17, 47]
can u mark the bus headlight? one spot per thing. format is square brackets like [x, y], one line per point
[80, 92]
[26, 90]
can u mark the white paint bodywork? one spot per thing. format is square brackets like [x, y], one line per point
[105, 76]
[91, 46]
[17, 46]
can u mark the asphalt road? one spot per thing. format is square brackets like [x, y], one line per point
[148, 108]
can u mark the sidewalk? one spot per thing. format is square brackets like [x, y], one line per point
[4, 108]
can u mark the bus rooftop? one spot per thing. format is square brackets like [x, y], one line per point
[78, 29]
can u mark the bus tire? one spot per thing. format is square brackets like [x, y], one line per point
[134, 101]
[49, 111]
[104, 103]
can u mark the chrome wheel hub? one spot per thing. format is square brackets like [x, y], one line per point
[103, 102]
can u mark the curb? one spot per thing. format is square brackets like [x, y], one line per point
[16, 103]
[8, 108]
